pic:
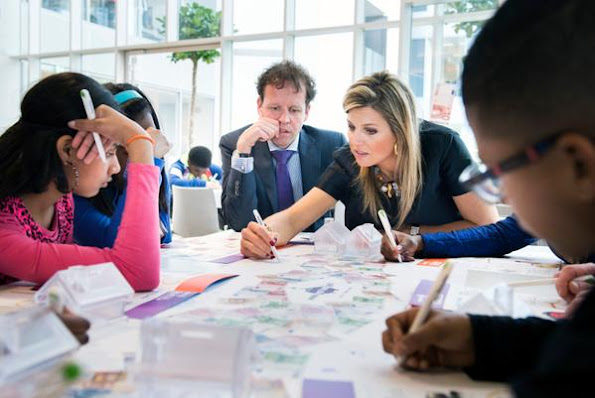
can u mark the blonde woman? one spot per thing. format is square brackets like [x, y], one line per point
[393, 162]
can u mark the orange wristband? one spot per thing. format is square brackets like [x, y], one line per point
[140, 137]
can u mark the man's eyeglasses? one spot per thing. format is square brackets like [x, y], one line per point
[485, 181]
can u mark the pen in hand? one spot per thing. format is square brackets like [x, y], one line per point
[260, 221]
[90, 111]
[424, 310]
[389, 232]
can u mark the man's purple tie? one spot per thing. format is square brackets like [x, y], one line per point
[284, 189]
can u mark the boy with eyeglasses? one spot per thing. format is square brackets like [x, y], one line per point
[528, 88]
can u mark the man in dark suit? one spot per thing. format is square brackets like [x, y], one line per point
[273, 162]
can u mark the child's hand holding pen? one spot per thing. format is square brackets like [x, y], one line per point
[85, 147]
[407, 246]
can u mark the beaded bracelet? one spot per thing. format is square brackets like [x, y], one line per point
[140, 137]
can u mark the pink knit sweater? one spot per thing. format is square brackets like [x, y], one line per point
[30, 252]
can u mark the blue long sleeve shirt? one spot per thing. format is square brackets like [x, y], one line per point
[178, 175]
[491, 240]
[94, 228]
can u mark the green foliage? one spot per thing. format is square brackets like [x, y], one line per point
[196, 21]
[466, 6]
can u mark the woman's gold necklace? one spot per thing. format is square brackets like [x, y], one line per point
[389, 188]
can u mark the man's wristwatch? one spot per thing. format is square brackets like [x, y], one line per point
[244, 155]
[414, 230]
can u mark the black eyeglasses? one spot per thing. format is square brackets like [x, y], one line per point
[485, 181]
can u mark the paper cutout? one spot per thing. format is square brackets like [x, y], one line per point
[159, 304]
[442, 101]
[229, 259]
[423, 289]
[432, 262]
[200, 283]
[327, 388]
[185, 291]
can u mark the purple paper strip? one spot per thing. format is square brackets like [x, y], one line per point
[159, 304]
[423, 289]
[229, 259]
[327, 389]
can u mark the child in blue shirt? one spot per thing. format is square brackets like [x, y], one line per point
[96, 220]
[200, 171]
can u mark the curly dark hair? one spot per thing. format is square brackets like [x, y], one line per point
[287, 72]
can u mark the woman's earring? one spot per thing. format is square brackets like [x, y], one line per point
[395, 148]
[76, 175]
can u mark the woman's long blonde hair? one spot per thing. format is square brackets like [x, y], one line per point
[385, 93]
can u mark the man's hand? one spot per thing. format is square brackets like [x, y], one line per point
[264, 129]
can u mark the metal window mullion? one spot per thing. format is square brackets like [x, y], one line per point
[436, 59]
[288, 29]
[121, 24]
[172, 18]
[405, 36]
[357, 69]
[226, 83]
[34, 71]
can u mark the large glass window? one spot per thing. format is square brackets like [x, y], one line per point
[317, 14]
[100, 12]
[423, 11]
[169, 86]
[146, 21]
[199, 18]
[250, 59]
[24, 28]
[54, 25]
[99, 23]
[100, 67]
[420, 66]
[381, 50]
[50, 66]
[56, 5]
[466, 6]
[257, 16]
[435, 65]
[320, 35]
[381, 10]
[447, 103]
[333, 75]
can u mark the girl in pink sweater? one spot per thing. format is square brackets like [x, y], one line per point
[47, 155]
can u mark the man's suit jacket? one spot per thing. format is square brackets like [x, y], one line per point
[257, 190]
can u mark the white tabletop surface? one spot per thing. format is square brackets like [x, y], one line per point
[347, 302]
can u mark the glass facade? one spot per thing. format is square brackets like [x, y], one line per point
[338, 41]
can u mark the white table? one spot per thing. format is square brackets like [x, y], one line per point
[356, 356]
